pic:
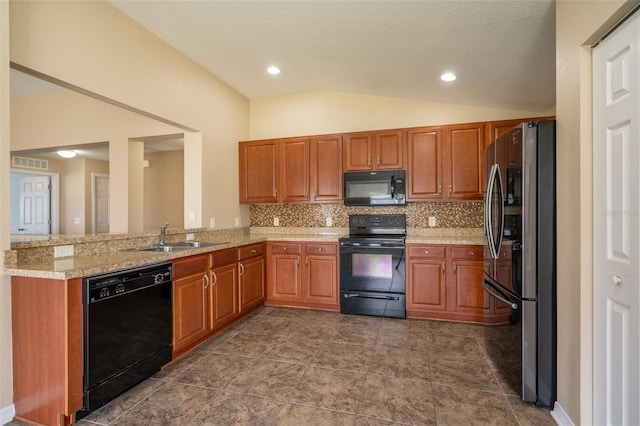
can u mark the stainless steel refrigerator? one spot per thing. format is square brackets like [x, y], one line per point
[520, 215]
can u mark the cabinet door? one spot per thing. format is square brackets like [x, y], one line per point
[357, 151]
[388, 150]
[326, 168]
[223, 296]
[424, 164]
[294, 170]
[499, 128]
[321, 279]
[251, 283]
[285, 279]
[468, 295]
[464, 146]
[258, 171]
[189, 309]
[426, 285]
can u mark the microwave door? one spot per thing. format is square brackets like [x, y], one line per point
[494, 212]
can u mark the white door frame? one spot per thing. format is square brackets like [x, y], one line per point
[54, 208]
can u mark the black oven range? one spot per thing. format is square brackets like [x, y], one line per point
[372, 272]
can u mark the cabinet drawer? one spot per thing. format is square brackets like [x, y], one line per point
[245, 252]
[467, 252]
[190, 265]
[280, 248]
[433, 252]
[505, 253]
[321, 248]
[223, 257]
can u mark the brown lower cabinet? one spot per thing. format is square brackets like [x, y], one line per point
[46, 326]
[303, 274]
[445, 282]
[212, 290]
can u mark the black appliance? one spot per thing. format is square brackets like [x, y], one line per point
[379, 188]
[127, 330]
[372, 271]
[520, 206]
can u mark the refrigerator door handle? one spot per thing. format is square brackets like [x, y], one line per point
[488, 227]
[490, 289]
[495, 182]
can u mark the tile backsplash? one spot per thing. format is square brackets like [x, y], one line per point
[463, 214]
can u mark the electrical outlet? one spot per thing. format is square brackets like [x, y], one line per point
[432, 221]
[276, 221]
[192, 216]
[63, 251]
[212, 222]
[76, 220]
[328, 221]
[190, 237]
[237, 221]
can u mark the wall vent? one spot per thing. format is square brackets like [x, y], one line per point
[30, 163]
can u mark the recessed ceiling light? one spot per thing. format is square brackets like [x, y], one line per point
[273, 70]
[448, 76]
[66, 154]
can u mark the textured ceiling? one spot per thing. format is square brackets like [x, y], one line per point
[502, 51]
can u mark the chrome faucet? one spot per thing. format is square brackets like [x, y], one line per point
[163, 231]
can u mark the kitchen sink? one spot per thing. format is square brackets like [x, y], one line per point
[179, 246]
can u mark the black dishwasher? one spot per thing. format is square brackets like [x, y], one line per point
[127, 330]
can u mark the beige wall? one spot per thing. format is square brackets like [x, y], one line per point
[67, 118]
[6, 381]
[334, 112]
[56, 39]
[163, 189]
[576, 24]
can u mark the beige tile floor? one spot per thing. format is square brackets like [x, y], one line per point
[284, 366]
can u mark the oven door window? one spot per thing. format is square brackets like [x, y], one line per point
[372, 269]
[372, 265]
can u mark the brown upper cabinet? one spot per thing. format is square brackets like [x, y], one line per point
[291, 170]
[381, 150]
[445, 163]
[258, 171]
[326, 168]
[424, 163]
[464, 147]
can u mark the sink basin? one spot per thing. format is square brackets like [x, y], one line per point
[193, 244]
[179, 246]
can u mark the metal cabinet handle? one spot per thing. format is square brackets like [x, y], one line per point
[444, 268]
[206, 279]
[439, 189]
[455, 268]
[285, 248]
[241, 269]
[215, 278]
[426, 252]
[253, 251]
[472, 253]
[298, 262]
[319, 248]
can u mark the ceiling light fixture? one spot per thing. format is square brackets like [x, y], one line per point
[273, 70]
[66, 154]
[448, 76]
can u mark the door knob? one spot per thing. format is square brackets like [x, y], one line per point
[616, 279]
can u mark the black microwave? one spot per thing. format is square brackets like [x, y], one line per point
[379, 188]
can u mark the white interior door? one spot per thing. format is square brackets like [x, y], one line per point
[35, 204]
[616, 187]
[100, 203]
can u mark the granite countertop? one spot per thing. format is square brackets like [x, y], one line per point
[87, 264]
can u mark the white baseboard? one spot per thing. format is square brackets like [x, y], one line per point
[6, 414]
[560, 416]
